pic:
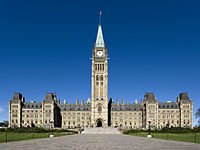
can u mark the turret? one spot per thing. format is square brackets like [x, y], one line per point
[122, 101]
[117, 101]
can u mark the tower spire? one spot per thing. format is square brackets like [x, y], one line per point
[99, 40]
[100, 18]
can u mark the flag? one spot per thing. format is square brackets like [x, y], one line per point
[100, 13]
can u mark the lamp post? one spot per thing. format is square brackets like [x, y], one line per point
[149, 133]
[51, 122]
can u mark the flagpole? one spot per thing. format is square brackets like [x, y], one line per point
[100, 18]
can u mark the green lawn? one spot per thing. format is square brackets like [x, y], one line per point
[27, 136]
[186, 137]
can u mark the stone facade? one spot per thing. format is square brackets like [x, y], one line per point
[101, 112]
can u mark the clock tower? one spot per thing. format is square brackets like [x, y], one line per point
[99, 116]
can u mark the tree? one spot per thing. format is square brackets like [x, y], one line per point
[198, 115]
[6, 123]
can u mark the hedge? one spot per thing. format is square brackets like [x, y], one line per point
[165, 130]
[34, 129]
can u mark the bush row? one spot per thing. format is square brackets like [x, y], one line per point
[34, 129]
[165, 130]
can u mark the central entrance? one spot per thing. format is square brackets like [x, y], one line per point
[99, 123]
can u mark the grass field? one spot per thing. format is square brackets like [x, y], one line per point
[27, 136]
[186, 137]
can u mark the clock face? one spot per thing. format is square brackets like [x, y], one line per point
[99, 53]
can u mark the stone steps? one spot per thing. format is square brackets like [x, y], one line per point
[100, 130]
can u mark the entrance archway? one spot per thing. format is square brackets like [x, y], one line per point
[99, 123]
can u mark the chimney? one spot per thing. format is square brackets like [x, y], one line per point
[77, 101]
[81, 101]
[122, 101]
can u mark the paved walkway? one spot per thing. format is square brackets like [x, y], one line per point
[99, 142]
[97, 130]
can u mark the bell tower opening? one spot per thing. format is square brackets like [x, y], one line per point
[99, 123]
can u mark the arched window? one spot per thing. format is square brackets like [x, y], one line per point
[95, 66]
[97, 77]
[99, 109]
[101, 77]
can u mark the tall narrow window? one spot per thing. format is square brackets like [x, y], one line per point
[95, 66]
[98, 66]
[103, 67]
[97, 77]
[101, 77]
[99, 109]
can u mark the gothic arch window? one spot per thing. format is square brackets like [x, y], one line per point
[97, 77]
[99, 109]
[101, 77]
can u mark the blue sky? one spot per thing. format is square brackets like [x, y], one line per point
[46, 47]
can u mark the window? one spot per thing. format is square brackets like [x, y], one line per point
[99, 109]
[15, 106]
[14, 115]
[95, 66]
[97, 77]
[101, 77]
[47, 115]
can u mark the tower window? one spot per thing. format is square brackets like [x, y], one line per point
[103, 67]
[101, 77]
[101, 83]
[97, 77]
[95, 66]
[99, 109]
[97, 83]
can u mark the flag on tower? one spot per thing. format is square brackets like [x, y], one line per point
[100, 13]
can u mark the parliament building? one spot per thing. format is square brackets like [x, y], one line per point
[101, 111]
